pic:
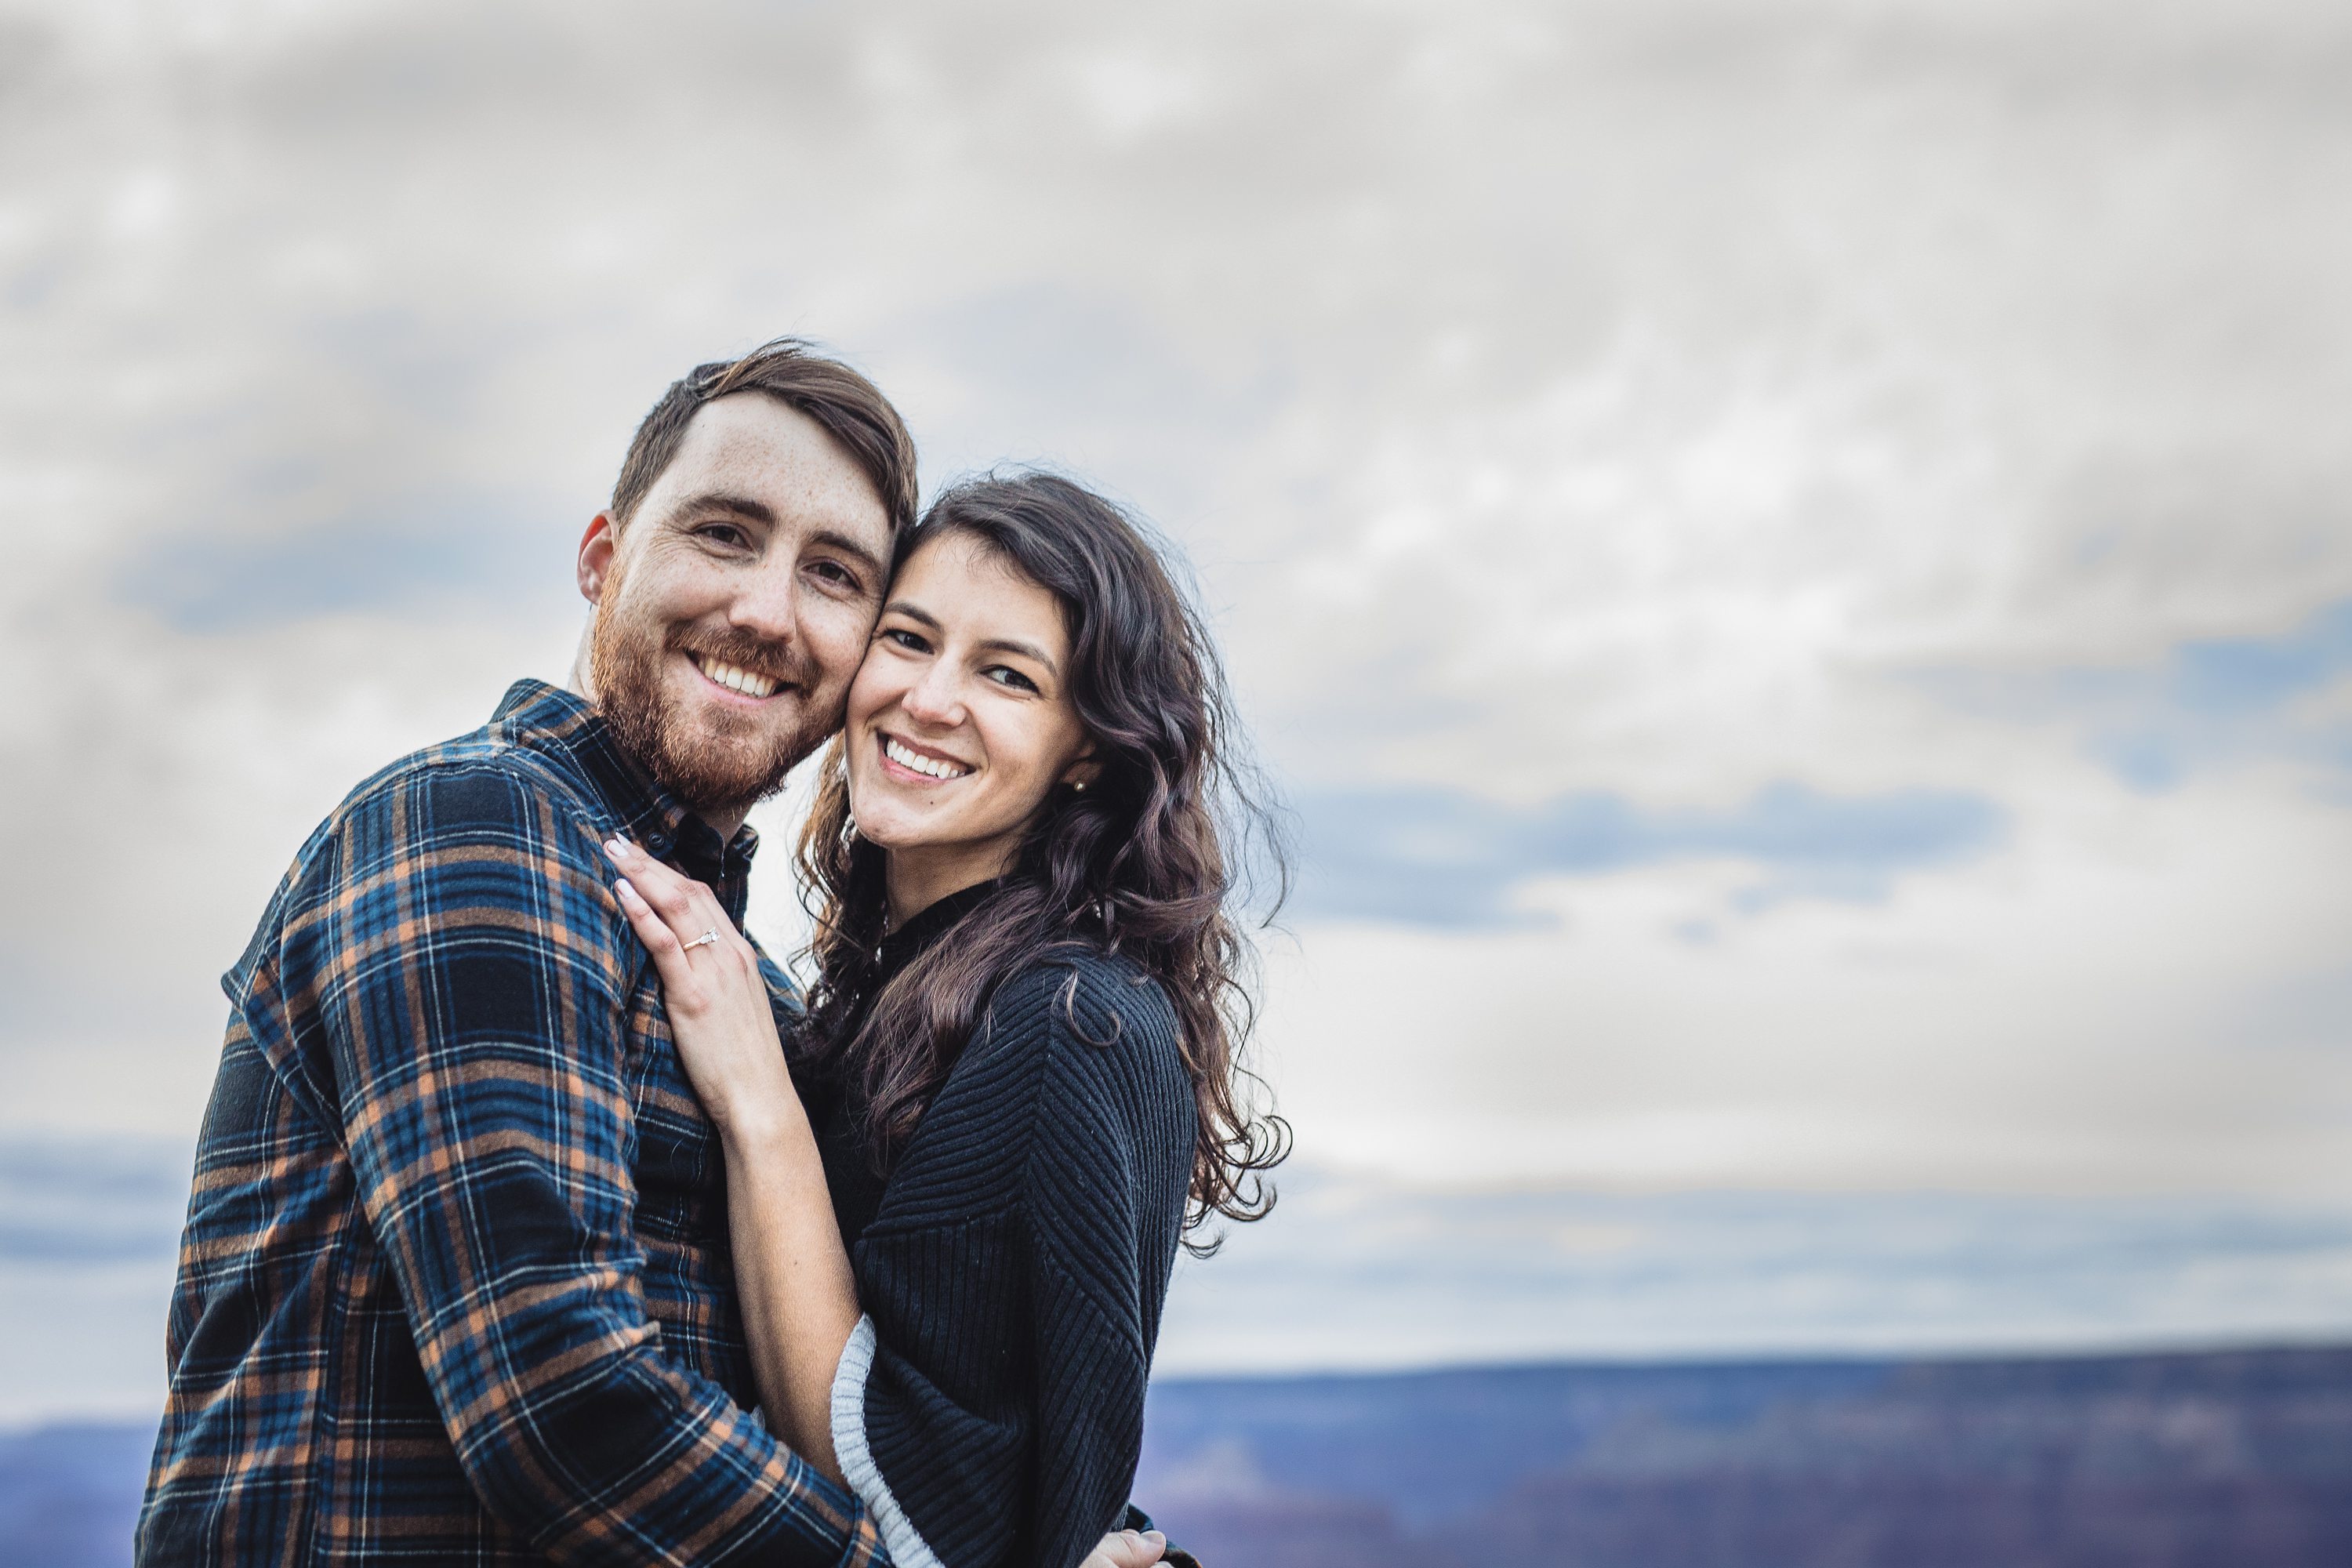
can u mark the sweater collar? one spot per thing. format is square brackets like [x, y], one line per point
[899, 948]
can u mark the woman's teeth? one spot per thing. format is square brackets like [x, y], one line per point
[931, 766]
[734, 677]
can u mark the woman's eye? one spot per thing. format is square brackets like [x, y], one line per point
[901, 637]
[1003, 676]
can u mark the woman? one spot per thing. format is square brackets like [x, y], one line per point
[1018, 1086]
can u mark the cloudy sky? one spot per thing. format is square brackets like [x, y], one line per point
[1794, 559]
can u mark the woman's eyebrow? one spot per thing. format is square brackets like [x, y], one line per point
[1025, 650]
[921, 616]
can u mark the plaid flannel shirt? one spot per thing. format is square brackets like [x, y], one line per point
[455, 1287]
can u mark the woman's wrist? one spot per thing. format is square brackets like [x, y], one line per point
[759, 1121]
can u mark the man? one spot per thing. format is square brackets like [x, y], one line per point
[454, 1287]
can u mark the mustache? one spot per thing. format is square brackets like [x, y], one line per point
[778, 661]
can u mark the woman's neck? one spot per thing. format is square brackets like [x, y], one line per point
[915, 880]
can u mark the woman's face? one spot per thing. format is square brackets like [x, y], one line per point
[959, 721]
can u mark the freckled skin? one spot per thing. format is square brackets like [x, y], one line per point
[787, 585]
[940, 680]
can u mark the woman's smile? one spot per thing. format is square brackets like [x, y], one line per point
[903, 760]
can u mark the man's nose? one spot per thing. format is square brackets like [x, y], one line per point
[765, 605]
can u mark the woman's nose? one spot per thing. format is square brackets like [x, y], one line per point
[934, 699]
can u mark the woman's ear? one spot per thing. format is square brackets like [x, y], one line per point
[1081, 774]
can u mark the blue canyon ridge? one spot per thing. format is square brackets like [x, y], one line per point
[2191, 1460]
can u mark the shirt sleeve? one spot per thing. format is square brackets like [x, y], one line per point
[989, 1408]
[470, 985]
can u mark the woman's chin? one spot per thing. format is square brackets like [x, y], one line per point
[892, 833]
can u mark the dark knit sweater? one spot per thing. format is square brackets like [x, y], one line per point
[989, 1408]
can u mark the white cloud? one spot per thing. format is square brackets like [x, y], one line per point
[2135, 997]
[1657, 399]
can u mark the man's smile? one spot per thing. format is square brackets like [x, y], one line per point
[734, 678]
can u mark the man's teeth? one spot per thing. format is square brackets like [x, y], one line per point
[735, 678]
[921, 764]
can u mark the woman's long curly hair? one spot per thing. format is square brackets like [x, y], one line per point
[1143, 862]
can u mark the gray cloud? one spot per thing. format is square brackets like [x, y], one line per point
[403, 552]
[85, 1201]
[1432, 857]
[89, 1229]
[1562, 1272]
[2209, 702]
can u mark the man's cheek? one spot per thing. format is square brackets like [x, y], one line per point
[837, 643]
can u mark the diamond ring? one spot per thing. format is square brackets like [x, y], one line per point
[706, 938]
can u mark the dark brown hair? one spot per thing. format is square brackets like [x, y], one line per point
[851, 408]
[1143, 862]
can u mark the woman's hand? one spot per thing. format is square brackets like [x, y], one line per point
[793, 1277]
[1126, 1549]
[718, 1009]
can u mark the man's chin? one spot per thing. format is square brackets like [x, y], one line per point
[716, 755]
[730, 760]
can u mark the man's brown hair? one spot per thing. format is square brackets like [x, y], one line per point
[851, 410]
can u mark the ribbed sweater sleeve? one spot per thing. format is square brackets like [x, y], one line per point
[990, 1409]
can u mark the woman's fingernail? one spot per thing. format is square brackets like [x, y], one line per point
[621, 886]
[616, 848]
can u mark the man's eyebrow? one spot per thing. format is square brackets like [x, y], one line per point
[727, 501]
[759, 511]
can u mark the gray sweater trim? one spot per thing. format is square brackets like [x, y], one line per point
[907, 1548]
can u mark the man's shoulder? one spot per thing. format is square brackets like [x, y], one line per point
[498, 785]
[494, 769]
[485, 832]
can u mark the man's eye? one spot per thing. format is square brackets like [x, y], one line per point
[723, 533]
[834, 572]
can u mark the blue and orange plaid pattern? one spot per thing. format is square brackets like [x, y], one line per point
[454, 1286]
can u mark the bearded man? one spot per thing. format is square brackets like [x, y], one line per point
[455, 1283]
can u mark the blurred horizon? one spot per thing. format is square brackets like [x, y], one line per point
[1793, 560]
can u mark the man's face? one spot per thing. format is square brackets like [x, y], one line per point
[733, 610]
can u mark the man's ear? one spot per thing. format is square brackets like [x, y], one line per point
[596, 547]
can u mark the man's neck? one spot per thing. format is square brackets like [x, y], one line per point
[725, 822]
[581, 682]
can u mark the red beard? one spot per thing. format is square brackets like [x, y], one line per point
[717, 767]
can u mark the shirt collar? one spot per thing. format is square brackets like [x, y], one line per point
[548, 718]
